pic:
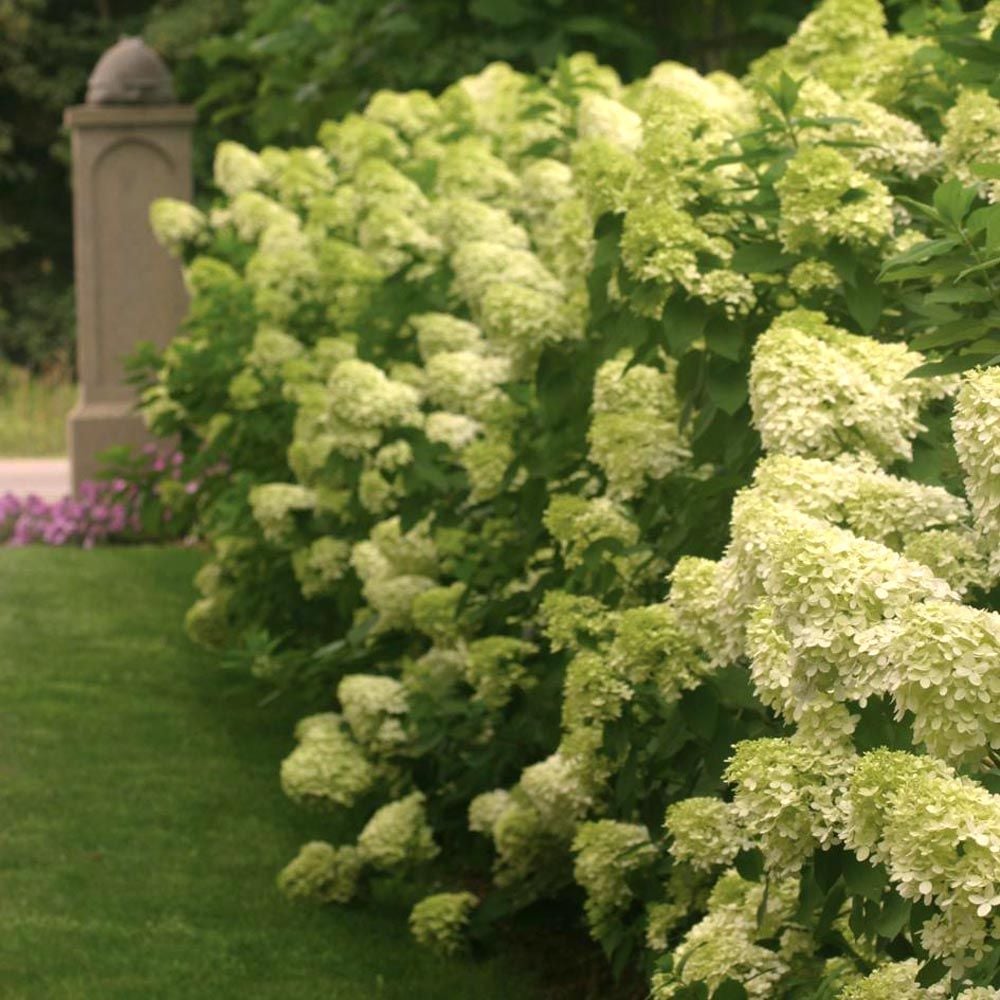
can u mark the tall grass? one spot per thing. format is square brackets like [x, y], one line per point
[33, 411]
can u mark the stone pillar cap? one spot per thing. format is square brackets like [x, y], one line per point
[130, 72]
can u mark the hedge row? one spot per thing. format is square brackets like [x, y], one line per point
[574, 444]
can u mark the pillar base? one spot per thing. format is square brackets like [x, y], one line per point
[93, 428]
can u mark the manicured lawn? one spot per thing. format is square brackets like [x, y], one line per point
[141, 821]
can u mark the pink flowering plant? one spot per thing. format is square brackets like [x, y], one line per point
[150, 495]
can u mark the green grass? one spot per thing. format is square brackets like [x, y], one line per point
[141, 821]
[33, 414]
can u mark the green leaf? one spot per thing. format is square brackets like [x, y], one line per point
[726, 385]
[844, 261]
[683, 323]
[946, 266]
[951, 366]
[700, 711]
[750, 864]
[760, 258]
[987, 171]
[927, 211]
[725, 338]
[786, 94]
[831, 909]
[864, 879]
[959, 295]
[950, 334]
[828, 866]
[503, 13]
[952, 201]
[993, 228]
[920, 253]
[932, 973]
[894, 916]
[986, 265]
[729, 989]
[864, 302]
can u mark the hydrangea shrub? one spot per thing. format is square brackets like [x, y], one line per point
[575, 454]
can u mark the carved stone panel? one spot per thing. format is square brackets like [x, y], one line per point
[128, 289]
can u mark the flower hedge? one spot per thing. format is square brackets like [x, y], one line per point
[573, 445]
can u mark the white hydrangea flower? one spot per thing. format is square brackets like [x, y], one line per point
[282, 271]
[452, 429]
[519, 322]
[724, 944]
[824, 587]
[815, 211]
[271, 348]
[485, 809]
[493, 668]
[714, 96]
[477, 265]
[458, 220]
[895, 981]
[650, 644]
[972, 134]
[237, 169]
[438, 922]
[602, 171]
[886, 143]
[558, 793]
[273, 504]
[858, 495]
[396, 239]
[696, 597]
[606, 853]
[360, 402]
[845, 44]
[373, 708]
[703, 832]
[941, 662]
[811, 276]
[410, 113]
[601, 117]
[299, 175]
[817, 390]
[322, 873]
[321, 565]
[398, 835]
[937, 834]
[251, 214]
[440, 333]
[786, 798]
[327, 767]
[594, 692]
[176, 224]
[635, 425]
[576, 523]
[465, 381]
[976, 425]
[958, 555]
[395, 568]
[567, 616]
[356, 140]
[468, 168]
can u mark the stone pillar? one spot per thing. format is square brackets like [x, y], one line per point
[131, 144]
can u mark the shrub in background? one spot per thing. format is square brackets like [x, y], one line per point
[487, 369]
[273, 71]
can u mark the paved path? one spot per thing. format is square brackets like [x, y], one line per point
[46, 477]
